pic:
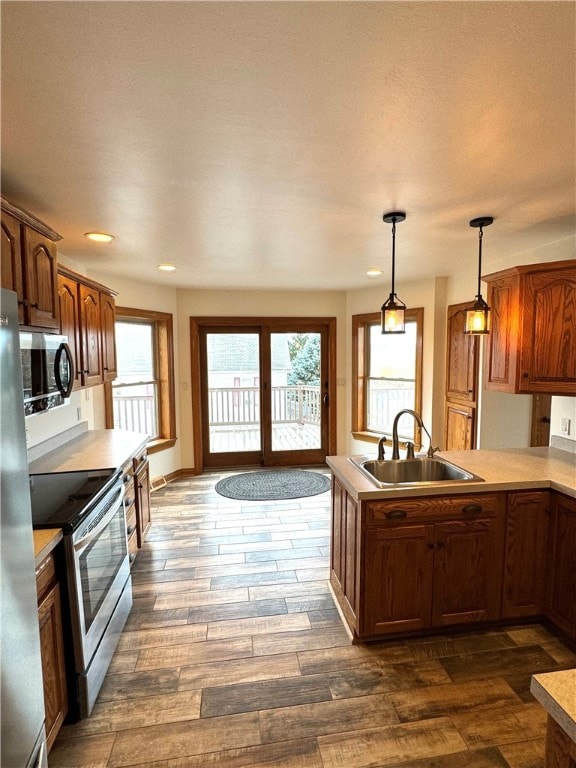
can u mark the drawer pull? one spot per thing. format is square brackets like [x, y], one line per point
[395, 514]
[472, 509]
[130, 529]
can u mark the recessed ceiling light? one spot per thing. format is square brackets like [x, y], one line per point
[166, 267]
[99, 237]
[374, 272]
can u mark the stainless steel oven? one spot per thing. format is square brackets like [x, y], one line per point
[91, 513]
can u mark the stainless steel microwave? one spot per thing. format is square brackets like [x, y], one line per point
[47, 371]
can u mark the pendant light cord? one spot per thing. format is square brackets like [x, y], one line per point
[393, 254]
[480, 235]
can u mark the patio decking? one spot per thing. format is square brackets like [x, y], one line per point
[285, 437]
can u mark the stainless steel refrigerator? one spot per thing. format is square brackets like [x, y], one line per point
[22, 739]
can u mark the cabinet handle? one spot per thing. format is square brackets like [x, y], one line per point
[130, 530]
[140, 486]
[35, 305]
[22, 302]
[472, 509]
[395, 514]
[525, 375]
[128, 502]
[440, 544]
[430, 545]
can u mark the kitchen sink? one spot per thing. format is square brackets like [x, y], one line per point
[425, 471]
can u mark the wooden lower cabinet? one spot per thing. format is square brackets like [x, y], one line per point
[51, 648]
[459, 427]
[561, 585]
[560, 749]
[137, 506]
[398, 577]
[525, 554]
[142, 488]
[432, 575]
[410, 564]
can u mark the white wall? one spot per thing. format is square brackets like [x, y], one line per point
[563, 408]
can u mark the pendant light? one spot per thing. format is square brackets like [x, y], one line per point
[478, 313]
[393, 310]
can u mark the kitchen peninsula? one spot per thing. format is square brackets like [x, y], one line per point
[412, 559]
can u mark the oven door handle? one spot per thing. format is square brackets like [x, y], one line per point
[97, 530]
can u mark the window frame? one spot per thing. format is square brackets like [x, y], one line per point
[163, 341]
[360, 351]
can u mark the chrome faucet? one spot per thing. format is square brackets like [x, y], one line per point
[381, 448]
[418, 419]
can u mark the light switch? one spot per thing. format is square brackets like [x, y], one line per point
[564, 426]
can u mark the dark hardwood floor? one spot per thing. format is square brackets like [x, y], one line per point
[235, 656]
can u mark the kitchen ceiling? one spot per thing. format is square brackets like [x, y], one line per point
[256, 145]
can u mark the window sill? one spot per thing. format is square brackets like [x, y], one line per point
[374, 437]
[160, 444]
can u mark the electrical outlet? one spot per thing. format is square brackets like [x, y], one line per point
[79, 413]
[27, 438]
[564, 426]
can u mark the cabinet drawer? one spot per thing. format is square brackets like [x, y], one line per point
[433, 508]
[45, 576]
[140, 459]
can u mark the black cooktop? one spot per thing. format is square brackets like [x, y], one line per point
[63, 499]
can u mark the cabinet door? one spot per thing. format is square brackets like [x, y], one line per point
[143, 512]
[502, 347]
[53, 663]
[90, 333]
[398, 579]
[527, 518]
[548, 362]
[461, 357]
[561, 591]
[11, 264]
[459, 427]
[69, 323]
[40, 280]
[107, 309]
[337, 547]
[467, 571]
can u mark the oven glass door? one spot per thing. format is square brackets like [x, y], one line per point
[98, 555]
[99, 563]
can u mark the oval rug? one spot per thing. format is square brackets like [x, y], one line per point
[268, 484]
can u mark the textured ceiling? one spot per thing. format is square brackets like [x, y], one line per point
[256, 145]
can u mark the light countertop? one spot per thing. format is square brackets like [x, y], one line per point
[515, 469]
[94, 449]
[45, 540]
[556, 692]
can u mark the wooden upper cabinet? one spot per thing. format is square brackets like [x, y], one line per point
[107, 315]
[461, 357]
[90, 347]
[29, 266]
[69, 322]
[531, 346]
[41, 280]
[12, 260]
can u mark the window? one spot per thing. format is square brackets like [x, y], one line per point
[387, 376]
[141, 399]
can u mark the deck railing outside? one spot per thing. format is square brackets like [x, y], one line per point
[298, 404]
[241, 405]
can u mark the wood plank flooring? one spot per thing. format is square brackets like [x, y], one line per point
[234, 656]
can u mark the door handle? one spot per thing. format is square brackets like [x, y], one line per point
[326, 399]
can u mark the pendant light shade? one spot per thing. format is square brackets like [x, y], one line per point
[478, 313]
[393, 310]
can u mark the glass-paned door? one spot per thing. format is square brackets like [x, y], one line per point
[296, 391]
[264, 393]
[233, 392]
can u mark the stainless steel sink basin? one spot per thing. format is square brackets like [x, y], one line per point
[412, 471]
